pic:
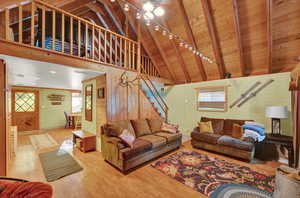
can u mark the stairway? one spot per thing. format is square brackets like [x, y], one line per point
[155, 96]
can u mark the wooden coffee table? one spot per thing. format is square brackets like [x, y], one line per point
[88, 140]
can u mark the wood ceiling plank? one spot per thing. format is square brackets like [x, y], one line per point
[214, 38]
[74, 5]
[239, 36]
[191, 37]
[269, 34]
[178, 55]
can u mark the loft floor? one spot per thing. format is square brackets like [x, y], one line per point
[99, 179]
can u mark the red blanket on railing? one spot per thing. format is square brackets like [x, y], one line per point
[25, 190]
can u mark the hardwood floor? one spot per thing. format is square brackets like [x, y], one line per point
[99, 179]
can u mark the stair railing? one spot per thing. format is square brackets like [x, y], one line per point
[156, 95]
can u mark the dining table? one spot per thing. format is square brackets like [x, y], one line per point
[74, 117]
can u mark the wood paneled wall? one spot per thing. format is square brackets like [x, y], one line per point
[100, 103]
[126, 103]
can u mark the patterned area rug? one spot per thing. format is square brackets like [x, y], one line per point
[42, 141]
[204, 173]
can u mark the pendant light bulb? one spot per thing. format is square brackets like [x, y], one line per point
[126, 7]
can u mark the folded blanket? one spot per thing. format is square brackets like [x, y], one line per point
[253, 134]
[259, 130]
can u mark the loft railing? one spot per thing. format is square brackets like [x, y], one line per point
[42, 25]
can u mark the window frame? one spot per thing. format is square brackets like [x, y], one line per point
[198, 89]
[72, 101]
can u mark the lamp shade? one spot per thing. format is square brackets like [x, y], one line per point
[277, 112]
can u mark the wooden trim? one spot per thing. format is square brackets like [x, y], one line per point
[213, 36]
[30, 87]
[3, 122]
[239, 36]
[189, 31]
[269, 34]
[20, 23]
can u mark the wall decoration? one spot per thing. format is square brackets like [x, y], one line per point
[101, 93]
[243, 95]
[56, 97]
[56, 103]
[254, 93]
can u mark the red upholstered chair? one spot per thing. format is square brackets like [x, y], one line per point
[19, 188]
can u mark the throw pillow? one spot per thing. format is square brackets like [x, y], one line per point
[155, 125]
[171, 128]
[141, 127]
[127, 137]
[206, 127]
[237, 131]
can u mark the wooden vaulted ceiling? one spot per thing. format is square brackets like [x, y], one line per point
[244, 37]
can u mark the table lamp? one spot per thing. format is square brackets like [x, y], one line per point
[276, 113]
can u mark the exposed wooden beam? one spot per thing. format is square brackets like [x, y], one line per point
[162, 53]
[74, 5]
[213, 36]
[132, 24]
[189, 32]
[238, 33]
[178, 55]
[269, 34]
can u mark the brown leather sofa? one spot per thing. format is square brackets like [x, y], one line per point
[221, 141]
[151, 142]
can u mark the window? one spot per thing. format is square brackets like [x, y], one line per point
[24, 102]
[76, 102]
[212, 99]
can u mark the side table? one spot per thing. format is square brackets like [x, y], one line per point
[87, 140]
[285, 141]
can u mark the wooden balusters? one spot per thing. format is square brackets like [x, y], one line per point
[20, 23]
[53, 29]
[32, 23]
[125, 54]
[63, 32]
[43, 26]
[71, 36]
[86, 39]
[99, 45]
[105, 48]
[79, 38]
[116, 50]
[93, 42]
[7, 37]
[110, 49]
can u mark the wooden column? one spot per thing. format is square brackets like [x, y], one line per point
[7, 24]
[3, 129]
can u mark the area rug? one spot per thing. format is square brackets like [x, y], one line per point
[57, 164]
[42, 141]
[204, 173]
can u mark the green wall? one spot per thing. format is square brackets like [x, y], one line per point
[182, 101]
[52, 116]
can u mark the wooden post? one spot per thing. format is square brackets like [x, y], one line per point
[105, 44]
[125, 54]
[32, 23]
[93, 42]
[7, 24]
[20, 23]
[53, 29]
[86, 39]
[99, 46]
[43, 26]
[71, 35]
[110, 49]
[79, 38]
[62, 32]
[116, 49]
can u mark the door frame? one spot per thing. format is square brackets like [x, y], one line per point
[37, 103]
[3, 119]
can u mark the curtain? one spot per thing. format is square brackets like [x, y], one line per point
[296, 126]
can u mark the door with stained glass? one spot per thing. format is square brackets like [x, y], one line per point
[25, 109]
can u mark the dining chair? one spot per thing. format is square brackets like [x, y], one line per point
[68, 121]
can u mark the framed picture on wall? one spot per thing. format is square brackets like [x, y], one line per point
[101, 93]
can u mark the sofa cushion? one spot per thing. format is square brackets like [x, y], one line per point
[139, 146]
[169, 136]
[156, 141]
[235, 143]
[114, 129]
[127, 137]
[171, 128]
[217, 124]
[228, 125]
[155, 125]
[141, 127]
[206, 127]
[210, 138]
